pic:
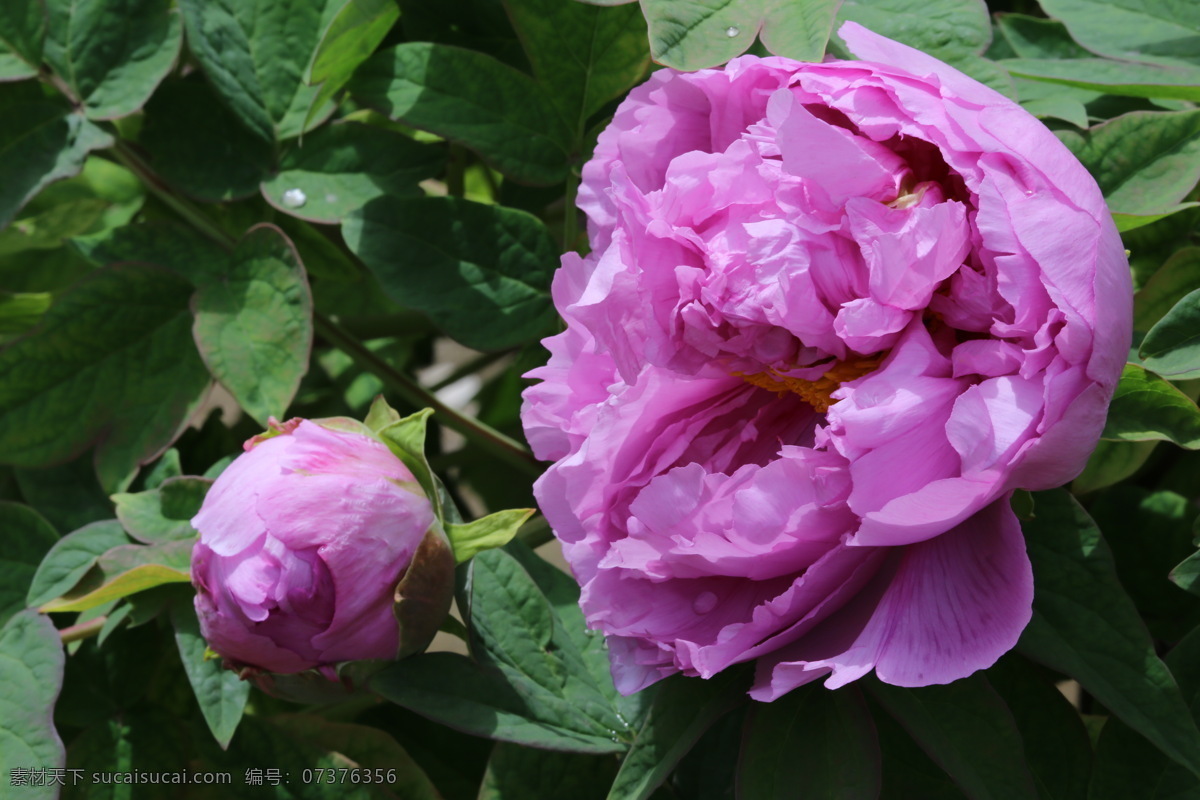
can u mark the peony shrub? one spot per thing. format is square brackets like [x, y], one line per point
[833, 316]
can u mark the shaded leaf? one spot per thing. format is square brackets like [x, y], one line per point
[1149, 30]
[112, 363]
[812, 743]
[1085, 625]
[1178, 276]
[199, 146]
[470, 98]
[27, 538]
[522, 773]
[481, 272]
[43, 141]
[967, 729]
[584, 55]
[682, 710]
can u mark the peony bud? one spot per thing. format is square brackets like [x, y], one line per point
[303, 542]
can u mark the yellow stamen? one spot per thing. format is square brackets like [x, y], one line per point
[815, 393]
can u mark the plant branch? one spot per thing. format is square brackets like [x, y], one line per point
[83, 630]
[509, 449]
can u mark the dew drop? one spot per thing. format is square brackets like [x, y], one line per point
[294, 198]
[704, 602]
[732, 31]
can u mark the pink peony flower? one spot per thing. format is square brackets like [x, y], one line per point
[834, 314]
[303, 539]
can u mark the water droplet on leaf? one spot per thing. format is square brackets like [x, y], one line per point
[732, 31]
[294, 198]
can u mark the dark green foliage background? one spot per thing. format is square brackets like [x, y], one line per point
[215, 212]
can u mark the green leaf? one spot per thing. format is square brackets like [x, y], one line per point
[1074, 112]
[103, 196]
[1112, 462]
[138, 742]
[470, 98]
[27, 539]
[1131, 222]
[220, 692]
[68, 495]
[113, 362]
[683, 709]
[1186, 575]
[811, 743]
[1144, 161]
[907, 771]
[363, 746]
[1085, 625]
[12, 66]
[693, 34]
[515, 629]
[199, 146]
[31, 672]
[256, 52]
[1162, 31]
[1110, 77]
[23, 30]
[339, 168]
[453, 690]
[162, 514]
[70, 559]
[482, 273]
[406, 439]
[346, 42]
[494, 530]
[381, 415]
[1149, 533]
[523, 773]
[1146, 406]
[1034, 37]
[967, 729]
[1129, 766]
[1172, 347]
[950, 30]
[1057, 747]
[21, 311]
[181, 250]
[125, 570]
[254, 324]
[43, 141]
[112, 54]
[583, 55]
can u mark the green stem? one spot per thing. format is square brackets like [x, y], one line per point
[84, 630]
[468, 368]
[133, 162]
[510, 450]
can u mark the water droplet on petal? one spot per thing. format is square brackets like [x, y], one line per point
[732, 31]
[294, 198]
[704, 602]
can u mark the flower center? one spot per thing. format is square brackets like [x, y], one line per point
[815, 393]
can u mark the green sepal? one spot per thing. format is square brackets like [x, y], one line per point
[406, 439]
[494, 530]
